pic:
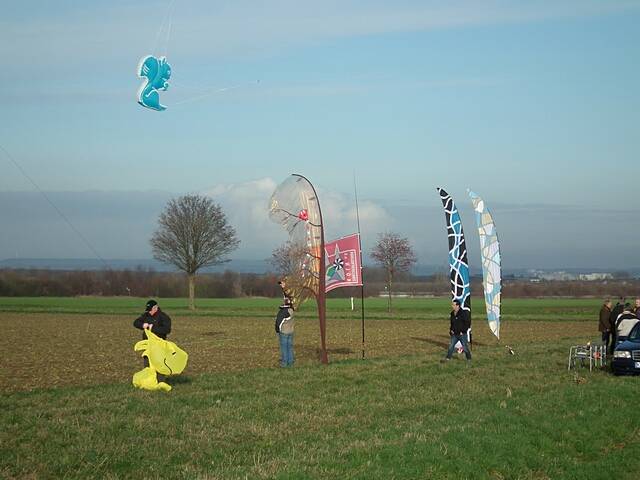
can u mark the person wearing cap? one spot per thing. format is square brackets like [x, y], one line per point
[155, 320]
[284, 330]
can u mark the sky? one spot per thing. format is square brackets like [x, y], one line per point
[534, 105]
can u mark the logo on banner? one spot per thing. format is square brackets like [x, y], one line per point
[343, 263]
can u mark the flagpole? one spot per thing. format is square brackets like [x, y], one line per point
[355, 191]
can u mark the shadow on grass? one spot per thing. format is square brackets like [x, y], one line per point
[431, 341]
[444, 342]
[179, 380]
[213, 334]
[330, 351]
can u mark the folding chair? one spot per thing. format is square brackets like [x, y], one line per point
[594, 353]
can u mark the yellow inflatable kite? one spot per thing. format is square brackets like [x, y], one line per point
[164, 357]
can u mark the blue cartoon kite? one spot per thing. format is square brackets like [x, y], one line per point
[157, 72]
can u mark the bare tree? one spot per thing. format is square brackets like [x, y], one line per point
[286, 258]
[193, 233]
[394, 254]
[281, 259]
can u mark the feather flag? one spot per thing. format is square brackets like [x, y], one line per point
[294, 205]
[491, 269]
[458, 264]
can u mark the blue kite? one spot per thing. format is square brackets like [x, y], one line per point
[157, 72]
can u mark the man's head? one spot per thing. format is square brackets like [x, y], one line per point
[637, 302]
[627, 307]
[151, 307]
[607, 302]
[456, 305]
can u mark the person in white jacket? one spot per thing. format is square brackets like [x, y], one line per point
[625, 322]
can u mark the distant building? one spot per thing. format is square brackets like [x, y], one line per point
[591, 277]
[557, 276]
[563, 276]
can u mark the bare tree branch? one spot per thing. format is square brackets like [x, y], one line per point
[394, 254]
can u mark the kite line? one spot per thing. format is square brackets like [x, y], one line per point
[55, 207]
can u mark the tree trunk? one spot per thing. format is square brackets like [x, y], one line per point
[389, 292]
[192, 291]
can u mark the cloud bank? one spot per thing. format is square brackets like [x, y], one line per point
[119, 225]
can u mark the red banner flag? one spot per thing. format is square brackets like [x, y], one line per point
[343, 263]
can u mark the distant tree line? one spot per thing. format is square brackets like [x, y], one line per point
[150, 283]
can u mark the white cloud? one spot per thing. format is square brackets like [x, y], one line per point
[340, 215]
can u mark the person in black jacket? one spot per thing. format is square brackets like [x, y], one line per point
[155, 320]
[460, 323]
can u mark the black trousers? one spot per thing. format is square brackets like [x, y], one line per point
[611, 341]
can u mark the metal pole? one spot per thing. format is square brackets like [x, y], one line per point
[355, 190]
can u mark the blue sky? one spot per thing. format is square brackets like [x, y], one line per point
[534, 105]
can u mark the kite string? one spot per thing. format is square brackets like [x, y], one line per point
[166, 46]
[214, 92]
[54, 206]
[166, 17]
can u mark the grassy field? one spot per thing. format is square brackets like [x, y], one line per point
[68, 410]
[553, 309]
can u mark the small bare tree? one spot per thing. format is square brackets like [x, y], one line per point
[286, 258]
[193, 233]
[394, 254]
[281, 259]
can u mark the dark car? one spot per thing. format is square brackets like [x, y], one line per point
[626, 356]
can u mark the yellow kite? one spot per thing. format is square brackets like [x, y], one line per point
[164, 357]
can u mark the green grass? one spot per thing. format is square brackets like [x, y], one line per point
[398, 414]
[554, 309]
[407, 417]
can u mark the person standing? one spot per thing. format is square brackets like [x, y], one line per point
[625, 323]
[604, 325]
[284, 330]
[155, 320]
[637, 308]
[459, 325]
[615, 312]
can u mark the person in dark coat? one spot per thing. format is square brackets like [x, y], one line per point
[604, 325]
[459, 325]
[617, 310]
[155, 320]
